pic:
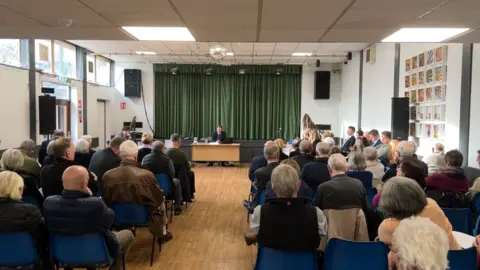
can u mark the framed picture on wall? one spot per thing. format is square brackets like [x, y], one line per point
[440, 73]
[414, 79]
[430, 58]
[428, 112]
[428, 131]
[429, 76]
[421, 60]
[440, 54]
[421, 95]
[413, 113]
[408, 65]
[412, 131]
[421, 113]
[414, 62]
[413, 96]
[440, 93]
[421, 77]
[407, 81]
[428, 94]
[419, 130]
[407, 94]
[439, 112]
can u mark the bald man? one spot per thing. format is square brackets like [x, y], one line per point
[76, 212]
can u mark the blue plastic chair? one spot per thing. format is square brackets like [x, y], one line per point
[17, 250]
[365, 177]
[79, 251]
[133, 215]
[165, 184]
[273, 259]
[32, 200]
[261, 197]
[371, 192]
[460, 218]
[464, 259]
[346, 255]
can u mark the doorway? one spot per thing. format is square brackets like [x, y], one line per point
[63, 116]
[101, 123]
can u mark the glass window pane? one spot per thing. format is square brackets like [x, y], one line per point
[10, 52]
[91, 68]
[65, 59]
[103, 71]
[61, 91]
[43, 55]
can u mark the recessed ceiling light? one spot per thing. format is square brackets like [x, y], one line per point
[424, 34]
[229, 53]
[160, 33]
[301, 54]
[146, 53]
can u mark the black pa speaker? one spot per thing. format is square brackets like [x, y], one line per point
[133, 82]
[400, 118]
[47, 114]
[322, 85]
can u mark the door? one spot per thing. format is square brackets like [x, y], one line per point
[63, 116]
[101, 127]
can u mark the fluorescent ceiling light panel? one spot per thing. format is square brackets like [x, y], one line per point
[146, 53]
[302, 54]
[160, 33]
[424, 34]
[229, 53]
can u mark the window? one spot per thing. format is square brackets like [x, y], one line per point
[61, 91]
[91, 68]
[43, 55]
[65, 59]
[103, 70]
[10, 52]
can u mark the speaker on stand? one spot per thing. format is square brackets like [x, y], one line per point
[47, 114]
[400, 118]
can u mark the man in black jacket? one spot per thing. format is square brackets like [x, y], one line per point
[271, 153]
[159, 163]
[306, 149]
[346, 148]
[218, 136]
[316, 172]
[42, 152]
[76, 212]
[106, 159]
[51, 175]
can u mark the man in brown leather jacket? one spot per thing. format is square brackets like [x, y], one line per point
[129, 183]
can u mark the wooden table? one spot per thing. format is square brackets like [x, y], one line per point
[215, 152]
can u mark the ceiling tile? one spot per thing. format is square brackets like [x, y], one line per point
[359, 35]
[9, 18]
[267, 35]
[81, 17]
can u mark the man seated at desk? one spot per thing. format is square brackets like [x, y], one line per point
[219, 137]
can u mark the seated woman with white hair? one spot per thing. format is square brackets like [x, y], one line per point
[276, 225]
[88, 138]
[357, 165]
[374, 166]
[82, 153]
[147, 147]
[330, 141]
[419, 244]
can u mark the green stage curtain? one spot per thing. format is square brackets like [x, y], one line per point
[249, 106]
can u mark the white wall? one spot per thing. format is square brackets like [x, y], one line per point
[474, 142]
[452, 101]
[14, 107]
[321, 111]
[377, 89]
[348, 107]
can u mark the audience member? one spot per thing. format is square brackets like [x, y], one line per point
[375, 138]
[181, 162]
[358, 133]
[159, 163]
[281, 145]
[335, 150]
[125, 133]
[395, 194]
[303, 191]
[89, 139]
[348, 145]
[77, 212]
[42, 152]
[106, 159]
[13, 160]
[367, 136]
[385, 151]
[314, 139]
[359, 145]
[327, 134]
[147, 140]
[49, 159]
[374, 166]
[411, 168]
[403, 150]
[30, 165]
[305, 156]
[316, 172]
[257, 163]
[418, 243]
[436, 161]
[357, 165]
[263, 175]
[472, 192]
[51, 175]
[448, 188]
[296, 150]
[17, 216]
[82, 153]
[275, 224]
[131, 184]
[330, 141]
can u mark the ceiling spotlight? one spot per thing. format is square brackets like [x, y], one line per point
[218, 51]
[242, 71]
[209, 71]
[174, 70]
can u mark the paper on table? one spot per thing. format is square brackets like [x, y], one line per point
[463, 239]
[213, 143]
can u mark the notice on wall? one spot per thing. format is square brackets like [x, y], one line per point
[123, 105]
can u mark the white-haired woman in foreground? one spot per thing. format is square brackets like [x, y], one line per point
[419, 244]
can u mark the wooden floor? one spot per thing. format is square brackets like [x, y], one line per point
[209, 234]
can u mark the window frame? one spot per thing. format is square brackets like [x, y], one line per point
[65, 44]
[20, 63]
[96, 70]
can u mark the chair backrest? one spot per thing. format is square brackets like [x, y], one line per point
[346, 255]
[130, 214]
[81, 251]
[462, 259]
[365, 177]
[31, 200]
[261, 197]
[476, 202]
[163, 181]
[371, 192]
[268, 258]
[17, 249]
[460, 218]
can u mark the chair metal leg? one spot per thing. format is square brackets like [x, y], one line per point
[153, 250]
[123, 261]
[171, 211]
